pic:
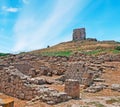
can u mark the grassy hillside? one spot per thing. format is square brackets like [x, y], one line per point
[87, 47]
[3, 54]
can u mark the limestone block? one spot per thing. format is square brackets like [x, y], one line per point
[72, 88]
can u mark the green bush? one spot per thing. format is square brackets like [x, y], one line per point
[117, 48]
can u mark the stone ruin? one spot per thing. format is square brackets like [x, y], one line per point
[20, 75]
[79, 71]
[79, 34]
[72, 88]
[19, 85]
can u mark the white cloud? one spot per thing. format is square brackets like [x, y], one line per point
[10, 9]
[33, 33]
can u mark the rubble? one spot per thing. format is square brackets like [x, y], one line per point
[94, 88]
[19, 85]
[53, 96]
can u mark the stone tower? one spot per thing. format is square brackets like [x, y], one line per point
[79, 34]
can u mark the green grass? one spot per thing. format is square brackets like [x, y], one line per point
[115, 51]
[59, 53]
[94, 52]
[3, 54]
[97, 104]
[100, 51]
[111, 101]
[117, 48]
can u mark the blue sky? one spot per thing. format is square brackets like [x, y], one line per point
[33, 24]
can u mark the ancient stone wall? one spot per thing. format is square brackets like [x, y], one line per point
[16, 84]
[79, 34]
[75, 71]
[82, 72]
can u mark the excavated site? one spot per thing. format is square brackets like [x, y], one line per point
[46, 81]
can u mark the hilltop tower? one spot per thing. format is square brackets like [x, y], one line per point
[79, 34]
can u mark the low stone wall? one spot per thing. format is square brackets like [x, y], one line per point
[78, 71]
[75, 71]
[16, 84]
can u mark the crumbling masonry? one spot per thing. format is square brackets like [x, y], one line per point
[79, 34]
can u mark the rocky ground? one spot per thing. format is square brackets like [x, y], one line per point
[46, 75]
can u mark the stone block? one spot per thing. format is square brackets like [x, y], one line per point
[7, 102]
[72, 88]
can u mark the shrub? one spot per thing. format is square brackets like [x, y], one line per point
[117, 48]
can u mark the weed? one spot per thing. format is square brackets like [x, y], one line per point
[115, 51]
[94, 52]
[97, 104]
[59, 53]
[111, 101]
[117, 48]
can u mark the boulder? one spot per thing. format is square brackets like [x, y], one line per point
[115, 87]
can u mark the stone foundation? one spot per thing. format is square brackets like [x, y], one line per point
[15, 83]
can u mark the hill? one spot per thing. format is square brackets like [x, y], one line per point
[40, 78]
[3, 54]
[84, 46]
